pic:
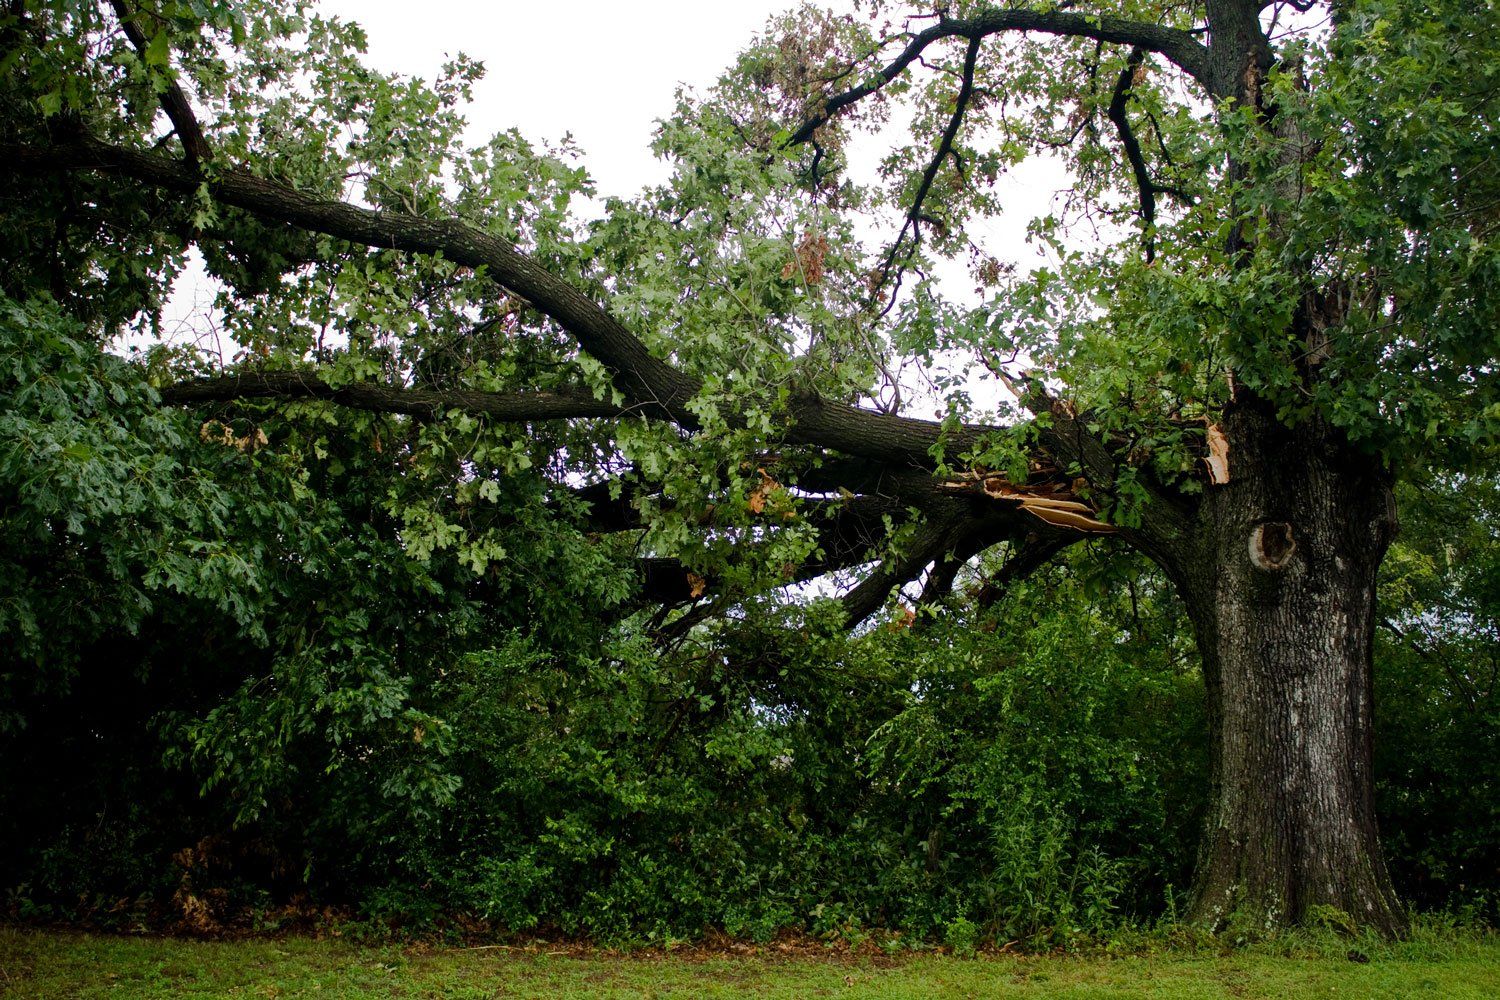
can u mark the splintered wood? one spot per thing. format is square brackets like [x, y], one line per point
[1048, 502]
[1218, 455]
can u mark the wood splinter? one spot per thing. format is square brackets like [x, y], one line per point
[1055, 508]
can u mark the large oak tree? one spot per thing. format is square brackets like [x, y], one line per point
[1270, 291]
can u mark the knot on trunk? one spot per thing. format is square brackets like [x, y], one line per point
[1272, 545]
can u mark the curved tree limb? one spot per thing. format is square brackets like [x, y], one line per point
[651, 386]
[914, 214]
[649, 382]
[1145, 187]
[1178, 47]
[950, 134]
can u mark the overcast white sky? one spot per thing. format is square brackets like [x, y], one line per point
[604, 71]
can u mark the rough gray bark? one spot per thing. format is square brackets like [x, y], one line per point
[1279, 577]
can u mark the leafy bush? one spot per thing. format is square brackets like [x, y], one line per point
[229, 685]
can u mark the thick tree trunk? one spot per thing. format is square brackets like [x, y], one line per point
[1279, 577]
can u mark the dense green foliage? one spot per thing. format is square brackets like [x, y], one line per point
[265, 657]
[305, 714]
[1438, 694]
[424, 741]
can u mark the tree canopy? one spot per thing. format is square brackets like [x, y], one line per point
[1269, 295]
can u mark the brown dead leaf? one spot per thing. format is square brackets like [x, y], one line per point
[907, 619]
[763, 490]
[218, 433]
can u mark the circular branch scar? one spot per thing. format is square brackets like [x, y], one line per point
[1272, 545]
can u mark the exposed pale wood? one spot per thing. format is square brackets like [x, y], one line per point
[1218, 455]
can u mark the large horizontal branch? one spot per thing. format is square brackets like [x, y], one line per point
[884, 437]
[643, 378]
[1177, 46]
[380, 398]
[652, 387]
[851, 531]
[852, 523]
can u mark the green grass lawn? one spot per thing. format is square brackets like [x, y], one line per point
[39, 965]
